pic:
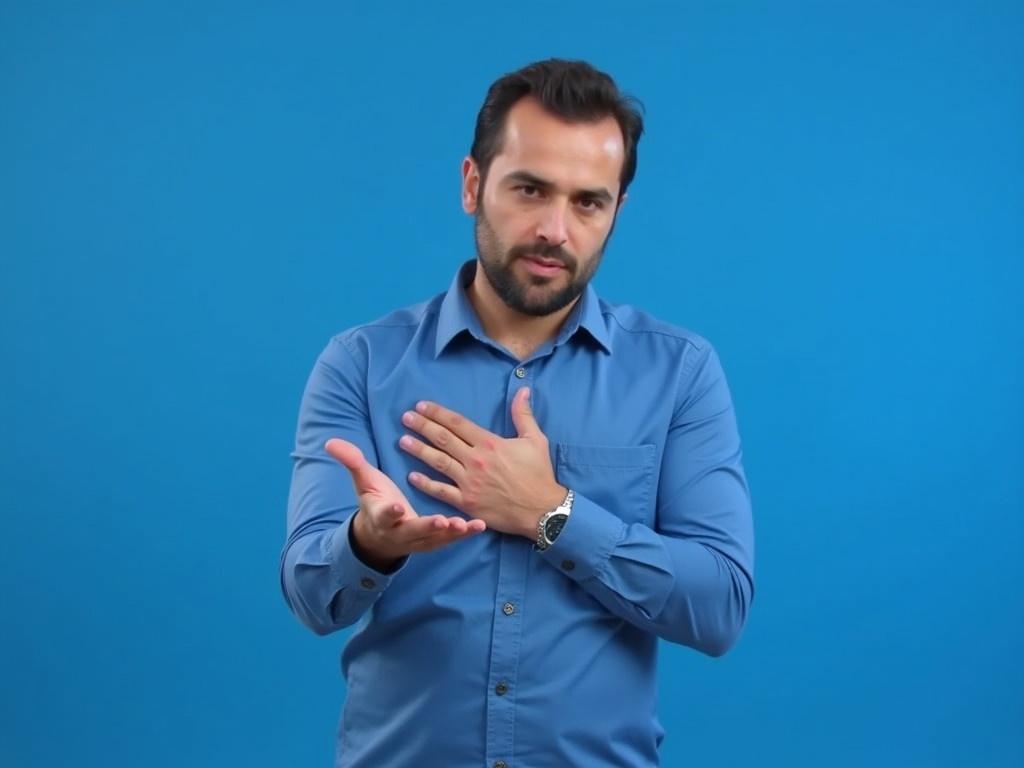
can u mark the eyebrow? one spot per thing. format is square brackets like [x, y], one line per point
[525, 177]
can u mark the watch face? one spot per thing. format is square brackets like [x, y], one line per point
[554, 526]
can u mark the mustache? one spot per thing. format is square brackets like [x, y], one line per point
[544, 250]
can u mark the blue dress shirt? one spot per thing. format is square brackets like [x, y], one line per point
[488, 652]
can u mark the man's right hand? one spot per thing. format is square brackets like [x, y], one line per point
[386, 528]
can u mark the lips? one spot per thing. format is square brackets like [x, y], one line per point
[545, 262]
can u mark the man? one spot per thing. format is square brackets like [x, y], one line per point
[517, 487]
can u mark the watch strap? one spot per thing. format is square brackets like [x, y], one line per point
[565, 508]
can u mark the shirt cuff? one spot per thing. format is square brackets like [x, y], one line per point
[585, 543]
[351, 572]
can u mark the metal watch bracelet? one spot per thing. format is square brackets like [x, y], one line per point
[565, 508]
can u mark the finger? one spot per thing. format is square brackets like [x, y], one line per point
[384, 518]
[440, 436]
[411, 529]
[458, 526]
[349, 455]
[432, 457]
[393, 514]
[461, 525]
[522, 414]
[456, 423]
[445, 492]
[441, 539]
[422, 529]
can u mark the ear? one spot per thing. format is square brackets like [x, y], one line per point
[470, 185]
[622, 201]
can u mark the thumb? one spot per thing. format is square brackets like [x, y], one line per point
[349, 455]
[522, 414]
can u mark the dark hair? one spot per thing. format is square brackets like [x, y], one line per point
[574, 91]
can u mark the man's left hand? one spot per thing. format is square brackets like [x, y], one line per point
[506, 482]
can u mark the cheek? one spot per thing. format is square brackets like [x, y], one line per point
[588, 236]
[515, 227]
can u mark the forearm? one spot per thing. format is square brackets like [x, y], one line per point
[683, 590]
[687, 575]
[325, 583]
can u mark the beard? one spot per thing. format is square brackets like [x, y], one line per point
[535, 295]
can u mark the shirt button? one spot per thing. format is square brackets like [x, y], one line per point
[368, 583]
[500, 764]
[501, 688]
[568, 565]
[521, 373]
[508, 608]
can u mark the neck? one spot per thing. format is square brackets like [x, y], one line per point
[518, 332]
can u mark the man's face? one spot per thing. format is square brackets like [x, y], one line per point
[547, 208]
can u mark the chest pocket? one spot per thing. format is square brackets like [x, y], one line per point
[616, 477]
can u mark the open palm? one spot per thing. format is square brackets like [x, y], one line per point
[386, 525]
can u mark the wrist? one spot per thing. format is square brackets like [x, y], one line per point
[550, 501]
[366, 549]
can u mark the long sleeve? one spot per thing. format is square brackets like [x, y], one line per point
[690, 578]
[326, 586]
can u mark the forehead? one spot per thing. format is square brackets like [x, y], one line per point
[576, 154]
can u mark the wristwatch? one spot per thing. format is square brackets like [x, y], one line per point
[552, 523]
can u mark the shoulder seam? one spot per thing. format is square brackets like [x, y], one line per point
[677, 336]
[346, 335]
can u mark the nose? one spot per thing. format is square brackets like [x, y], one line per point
[552, 226]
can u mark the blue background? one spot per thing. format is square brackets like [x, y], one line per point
[194, 199]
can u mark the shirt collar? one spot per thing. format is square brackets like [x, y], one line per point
[457, 314]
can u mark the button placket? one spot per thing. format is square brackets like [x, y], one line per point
[506, 627]
[506, 639]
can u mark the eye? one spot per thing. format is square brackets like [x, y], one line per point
[528, 190]
[590, 204]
